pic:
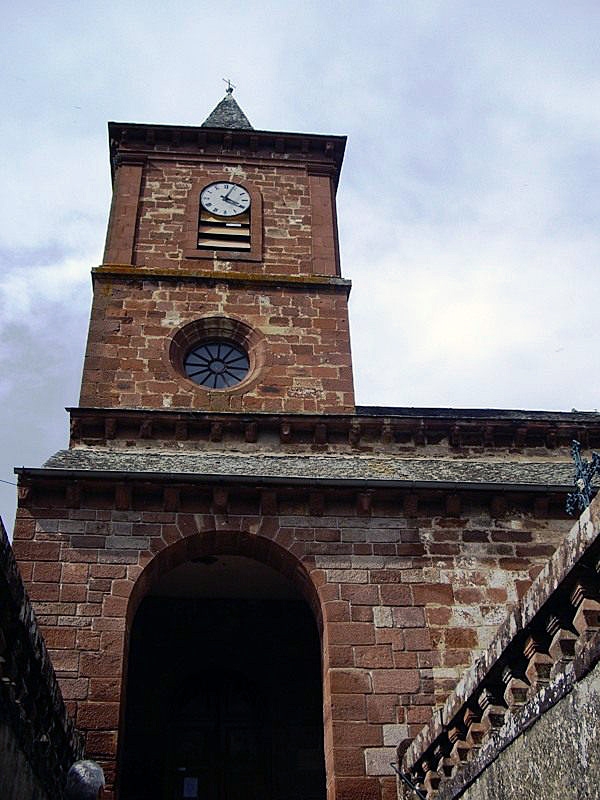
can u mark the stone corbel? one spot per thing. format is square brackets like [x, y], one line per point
[220, 500]
[171, 498]
[268, 503]
[251, 432]
[364, 502]
[285, 433]
[73, 495]
[316, 504]
[493, 709]
[216, 432]
[562, 644]
[181, 431]
[539, 662]
[517, 690]
[123, 496]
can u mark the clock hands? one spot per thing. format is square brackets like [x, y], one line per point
[228, 200]
[231, 202]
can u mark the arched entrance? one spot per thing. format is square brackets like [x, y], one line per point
[223, 689]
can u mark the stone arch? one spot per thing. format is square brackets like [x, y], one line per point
[193, 547]
[239, 543]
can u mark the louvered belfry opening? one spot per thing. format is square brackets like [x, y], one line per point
[219, 233]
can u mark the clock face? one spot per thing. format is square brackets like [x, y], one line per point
[225, 199]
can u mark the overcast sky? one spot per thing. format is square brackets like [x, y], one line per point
[469, 202]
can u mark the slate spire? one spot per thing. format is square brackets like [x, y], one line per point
[227, 114]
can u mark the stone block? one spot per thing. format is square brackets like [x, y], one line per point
[394, 734]
[400, 681]
[383, 617]
[378, 760]
[350, 681]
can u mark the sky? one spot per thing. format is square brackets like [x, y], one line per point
[468, 205]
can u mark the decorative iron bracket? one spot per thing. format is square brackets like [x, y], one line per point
[406, 780]
[585, 471]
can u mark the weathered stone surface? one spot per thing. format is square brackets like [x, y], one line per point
[545, 646]
[35, 751]
[378, 760]
[559, 757]
[321, 467]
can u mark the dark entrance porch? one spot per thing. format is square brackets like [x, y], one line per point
[224, 694]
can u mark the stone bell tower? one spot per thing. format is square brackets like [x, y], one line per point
[220, 287]
[219, 319]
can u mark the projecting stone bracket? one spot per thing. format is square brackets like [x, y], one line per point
[335, 432]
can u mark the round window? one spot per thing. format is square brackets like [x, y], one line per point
[216, 364]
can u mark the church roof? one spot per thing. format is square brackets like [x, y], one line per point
[227, 114]
[354, 469]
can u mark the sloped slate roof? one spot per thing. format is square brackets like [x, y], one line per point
[517, 415]
[227, 114]
[318, 467]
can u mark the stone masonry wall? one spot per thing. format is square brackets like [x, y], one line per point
[167, 214]
[154, 215]
[522, 721]
[38, 743]
[405, 600]
[558, 757]
[298, 341]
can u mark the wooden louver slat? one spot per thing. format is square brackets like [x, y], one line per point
[223, 244]
[218, 233]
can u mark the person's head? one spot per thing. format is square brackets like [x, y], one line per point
[85, 781]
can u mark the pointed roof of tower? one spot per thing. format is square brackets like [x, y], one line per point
[227, 114]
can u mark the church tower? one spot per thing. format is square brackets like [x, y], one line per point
[219, 323]
[220, 288]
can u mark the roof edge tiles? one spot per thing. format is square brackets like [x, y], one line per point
[323, 469]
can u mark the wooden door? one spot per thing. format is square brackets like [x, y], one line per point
[219, 741]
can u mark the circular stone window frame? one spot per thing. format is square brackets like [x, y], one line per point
[219, 328]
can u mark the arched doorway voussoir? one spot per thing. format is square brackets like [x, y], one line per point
[240, 543]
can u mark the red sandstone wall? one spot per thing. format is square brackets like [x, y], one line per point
[406, 593]
[294, 212]
[302, 346]
[301, 339]
[406, 601]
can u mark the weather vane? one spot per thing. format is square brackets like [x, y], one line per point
[230, 86]
[584, 474]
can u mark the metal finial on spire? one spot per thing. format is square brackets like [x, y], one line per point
[230, 85]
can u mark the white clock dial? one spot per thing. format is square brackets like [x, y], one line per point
[225, 199]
